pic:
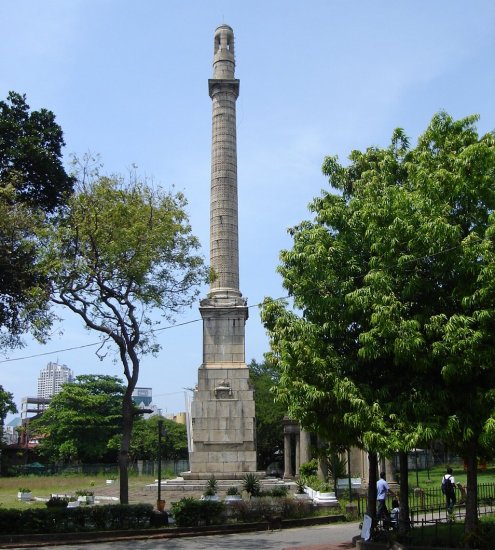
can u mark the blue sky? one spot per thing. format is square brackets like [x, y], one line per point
[128, 80]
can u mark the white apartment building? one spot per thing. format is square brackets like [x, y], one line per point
[51, 379]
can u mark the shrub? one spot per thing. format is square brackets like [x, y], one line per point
[57, 502]
[84, 493]
[190, 512]
[294, 509]
[337, 467]
[57, 519]
[212, 484]
[309, 468]
[266, 508]
[251, 484]
[281, 491]
[231, 491]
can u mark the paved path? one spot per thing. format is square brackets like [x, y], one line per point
[320, 537]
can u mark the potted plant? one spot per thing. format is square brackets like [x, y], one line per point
[301, 490]
[85, 496]
[251, 484]
[24, 494]
[233, 495]
[211, 489]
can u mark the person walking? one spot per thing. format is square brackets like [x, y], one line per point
[448, 489]
[382, 489]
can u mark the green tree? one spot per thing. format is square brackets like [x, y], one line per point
[412, 230]
[145, 439]
[7, 405]
[122, 251]
[81, 420]
[33, 185]
[269, 414]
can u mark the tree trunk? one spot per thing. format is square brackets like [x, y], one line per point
[404, 520]
[127, 422]
[372, 478]
[471, 521]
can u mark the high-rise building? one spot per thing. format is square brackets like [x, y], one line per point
[51, 379]
[142, 397]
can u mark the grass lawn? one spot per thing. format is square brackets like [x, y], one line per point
[453, 535]
[43, 486]
[433, 477]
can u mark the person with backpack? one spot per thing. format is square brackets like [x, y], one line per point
[448, 489]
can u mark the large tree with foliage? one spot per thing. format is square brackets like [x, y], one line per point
[421, 297]
[123, 252]
[269, 414]
[145, 439]
[81, 420]
[33, 185]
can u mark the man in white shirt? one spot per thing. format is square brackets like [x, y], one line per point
[382, 490]
[448, 489]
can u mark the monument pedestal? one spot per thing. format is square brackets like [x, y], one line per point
[223, 424]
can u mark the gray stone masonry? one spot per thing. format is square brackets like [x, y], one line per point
[222, 411]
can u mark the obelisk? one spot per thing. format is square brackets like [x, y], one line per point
[222, 410]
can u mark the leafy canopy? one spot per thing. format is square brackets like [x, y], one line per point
[33, 185]
[122, 251]
[393, 282]
[269, 414]
[81, 420]
[144, 444]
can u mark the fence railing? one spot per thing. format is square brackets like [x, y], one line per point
[430, 505]
[141, 467]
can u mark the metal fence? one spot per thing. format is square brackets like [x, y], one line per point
[430, 506]
[141, 467]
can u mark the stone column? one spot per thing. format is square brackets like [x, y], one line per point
[287, 455]
[223, 441]
[224, 90]
[305, 442]
[298, 450]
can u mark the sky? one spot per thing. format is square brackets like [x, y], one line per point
[128, 81]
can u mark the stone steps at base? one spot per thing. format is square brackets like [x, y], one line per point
[179, 484]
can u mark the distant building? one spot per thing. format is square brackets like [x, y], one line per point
[33, 406]
[51, 379]
[179, 417]
[142, 397]
[10, 435]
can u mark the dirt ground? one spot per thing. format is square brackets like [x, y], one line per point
[139, 492]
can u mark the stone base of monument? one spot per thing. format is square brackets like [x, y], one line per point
[220, 475]
[185, 485]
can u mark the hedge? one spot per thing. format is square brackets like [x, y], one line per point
[83, 518]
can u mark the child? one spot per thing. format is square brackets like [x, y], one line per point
[394, 514]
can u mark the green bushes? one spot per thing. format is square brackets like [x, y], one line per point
[318, 485]
[57, 502]
[262, 509]
[251, 484]
[309, 468]
[58, 520]
[281, 491]
[190, 512]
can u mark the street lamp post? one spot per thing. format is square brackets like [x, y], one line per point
[160, 503]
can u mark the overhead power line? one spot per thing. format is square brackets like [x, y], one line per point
[385, 268]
